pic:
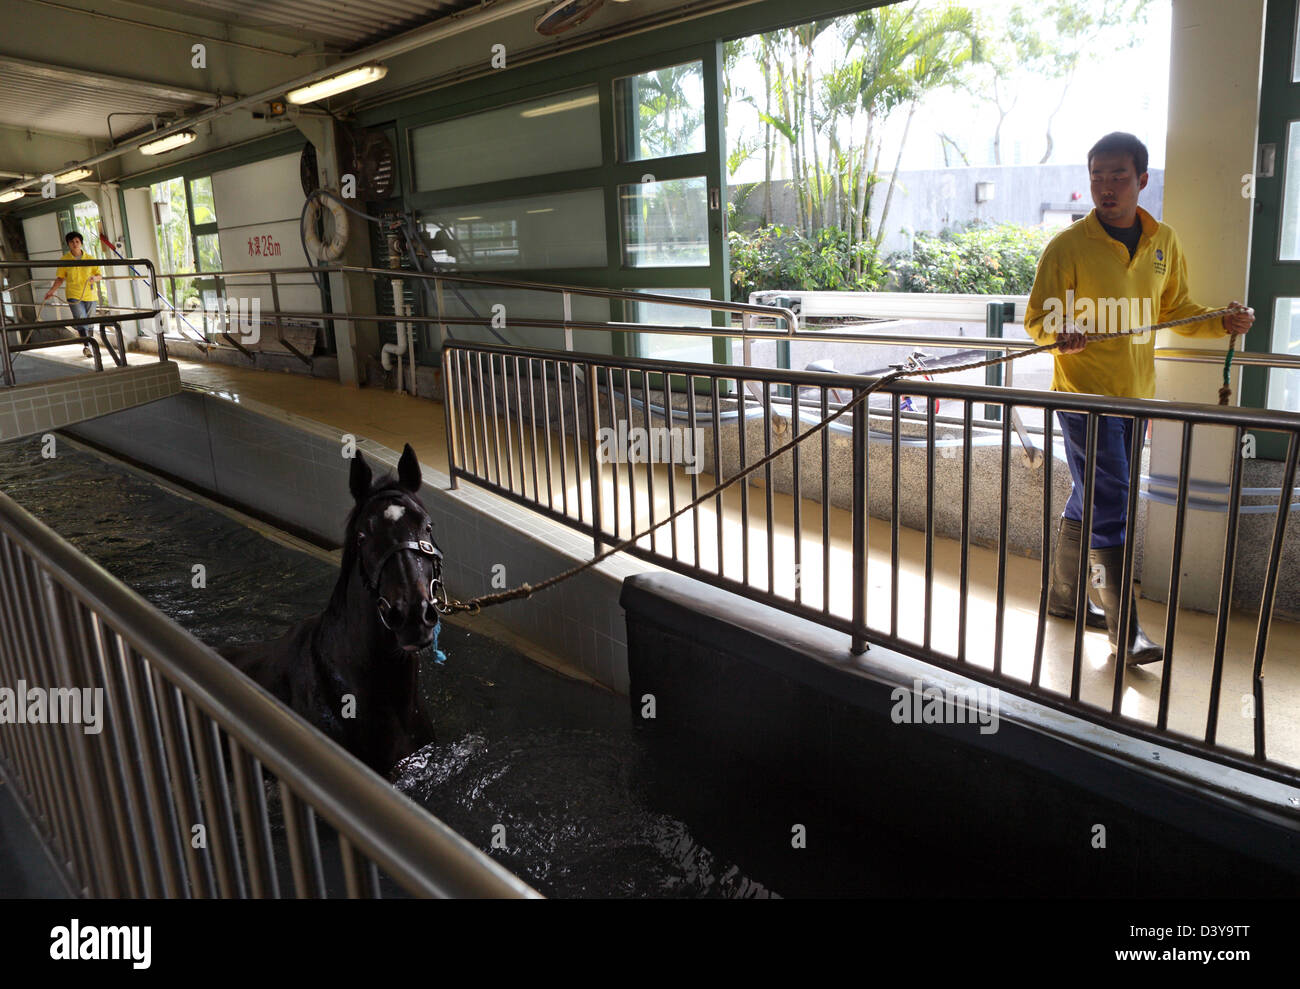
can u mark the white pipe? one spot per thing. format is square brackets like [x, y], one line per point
[399, 348]
[410, 349]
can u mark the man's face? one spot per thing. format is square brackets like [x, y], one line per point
[1115, 187]
[74, 246]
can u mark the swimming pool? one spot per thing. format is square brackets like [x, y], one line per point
[544, 773]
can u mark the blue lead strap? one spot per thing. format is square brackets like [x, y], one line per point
[439, 656]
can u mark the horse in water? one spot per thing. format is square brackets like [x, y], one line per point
[352, 670]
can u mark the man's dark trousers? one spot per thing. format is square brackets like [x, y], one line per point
[1110, 484]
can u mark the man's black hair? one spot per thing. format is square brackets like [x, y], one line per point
[67, 237]
[1118, 142]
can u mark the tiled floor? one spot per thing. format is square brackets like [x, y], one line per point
[392, 420]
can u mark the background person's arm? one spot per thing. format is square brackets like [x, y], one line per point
[58, 280]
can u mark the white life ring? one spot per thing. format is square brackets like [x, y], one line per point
[333, 250]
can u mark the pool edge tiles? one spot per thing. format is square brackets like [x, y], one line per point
[48, 404]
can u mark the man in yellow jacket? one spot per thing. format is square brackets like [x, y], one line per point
[1116, 269]
[81, 285]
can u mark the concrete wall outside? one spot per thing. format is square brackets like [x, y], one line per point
[935, 199]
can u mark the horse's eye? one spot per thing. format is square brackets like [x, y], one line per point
[428, 527]
[361, 537]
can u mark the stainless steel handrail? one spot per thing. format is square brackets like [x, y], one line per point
[421, 853]
[747, 331]
[7, 350]
[536, 397]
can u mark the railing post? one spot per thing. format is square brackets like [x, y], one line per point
[442, 327]
[994, 316]
[859, 644]
[593, 463]
[448, 420]
[275, 301]
[568, 317]
[746, 345]
[6, 359]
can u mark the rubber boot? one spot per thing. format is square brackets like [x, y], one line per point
[1107, 567]
[1065, 576]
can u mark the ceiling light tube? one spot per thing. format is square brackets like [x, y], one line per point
[341, 83]
[75, 175]
[9, 197]
[168, 143]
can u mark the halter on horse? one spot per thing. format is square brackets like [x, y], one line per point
[431, 609]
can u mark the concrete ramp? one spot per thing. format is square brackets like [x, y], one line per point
[41, 406]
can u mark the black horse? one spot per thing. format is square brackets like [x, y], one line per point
[352, 670]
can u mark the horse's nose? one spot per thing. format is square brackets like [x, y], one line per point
[428, 613]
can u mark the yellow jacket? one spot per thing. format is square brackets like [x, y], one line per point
[77, 279]
[1085, 278]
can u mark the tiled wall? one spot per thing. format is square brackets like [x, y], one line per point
[291, 468]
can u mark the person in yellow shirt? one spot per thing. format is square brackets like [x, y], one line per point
[1116, 269]
[81, 285]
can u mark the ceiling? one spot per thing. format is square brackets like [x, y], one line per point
[49, 97]
[343, 26]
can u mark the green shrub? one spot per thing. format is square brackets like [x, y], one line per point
[776, 257]
[980, 260]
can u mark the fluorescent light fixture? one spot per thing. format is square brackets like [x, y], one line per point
[74, 175]
[549, 209]
[561, 106]
[9, 197]
[469, 218]
[341, 83]
[168, 143]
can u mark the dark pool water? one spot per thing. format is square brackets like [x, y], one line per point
[549, 766]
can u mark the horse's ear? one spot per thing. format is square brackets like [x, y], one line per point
[359, 479]
[408, 470]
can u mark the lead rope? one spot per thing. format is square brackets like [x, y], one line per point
[525, 590]
[1225, 392]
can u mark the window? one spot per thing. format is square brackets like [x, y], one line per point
[665, 223]
[185, 229]
[560, 230]
[1284, 385]
[84, 219]
[665, 346]
[558, 133]
[205, 207]
[661, 112]
[1289, 248]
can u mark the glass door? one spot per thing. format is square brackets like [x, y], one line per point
[1275, 241]
[668, 197]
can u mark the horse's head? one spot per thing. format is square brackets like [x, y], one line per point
[390, 535]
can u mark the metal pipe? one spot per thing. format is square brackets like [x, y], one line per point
[1175, 574]
[859, 512]
[1085, 543]
[1225, 589]
[1270, 592]
[1004, 492]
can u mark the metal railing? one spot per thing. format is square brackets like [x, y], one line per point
[527, 424]
[441, 320]
[926, 306]
[168, 798]
[114, 319]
